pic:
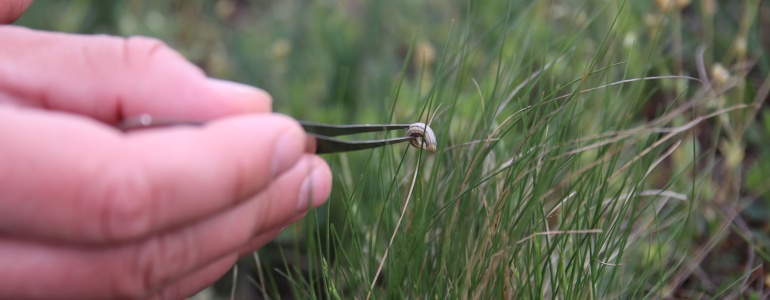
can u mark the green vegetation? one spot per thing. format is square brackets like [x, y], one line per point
[587, 149]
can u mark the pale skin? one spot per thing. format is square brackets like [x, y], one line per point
[87, 211]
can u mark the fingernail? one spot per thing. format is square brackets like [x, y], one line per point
[309, 192]
[236, 87]
[287, 150]
[256, 98]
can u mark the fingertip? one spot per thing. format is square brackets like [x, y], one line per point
[288, 147]
[244, 98]
[282, 136]
[12, 10]
[316, 187]
[322, 181]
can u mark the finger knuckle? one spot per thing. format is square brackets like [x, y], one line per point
[142, 53]
[139, 50]
[265, 215]
[155, 263]
[134, 280]
[128, 201]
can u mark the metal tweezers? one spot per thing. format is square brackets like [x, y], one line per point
[321, 134]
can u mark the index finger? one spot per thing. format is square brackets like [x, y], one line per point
[10, 10]
[112, 78]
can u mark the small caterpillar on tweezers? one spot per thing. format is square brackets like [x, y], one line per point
[420, 132]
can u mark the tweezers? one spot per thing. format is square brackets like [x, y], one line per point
[322, 135]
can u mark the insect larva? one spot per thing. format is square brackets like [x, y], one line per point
[420, 132]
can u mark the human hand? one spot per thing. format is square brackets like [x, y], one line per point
[87, 211]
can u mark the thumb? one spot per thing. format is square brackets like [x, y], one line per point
[66, 178]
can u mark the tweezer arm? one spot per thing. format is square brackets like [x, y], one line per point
[325, 144]
[323, 135]
[310, 127]
[338, 130]
[318, 133]
[147, 121]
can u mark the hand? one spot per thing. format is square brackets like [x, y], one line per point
[87, 211]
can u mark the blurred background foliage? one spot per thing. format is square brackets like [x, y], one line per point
[356, 61]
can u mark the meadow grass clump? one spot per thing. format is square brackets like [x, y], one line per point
[561, 172]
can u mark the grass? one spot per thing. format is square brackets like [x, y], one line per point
[591, 149]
